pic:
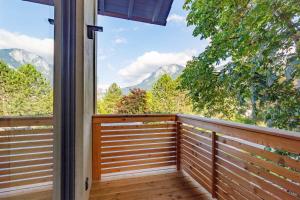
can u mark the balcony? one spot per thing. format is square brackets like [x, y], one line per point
[159, 157]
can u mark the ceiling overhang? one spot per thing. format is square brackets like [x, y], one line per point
[148, 11]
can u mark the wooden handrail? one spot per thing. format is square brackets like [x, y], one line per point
[247, 127]
[25, 121]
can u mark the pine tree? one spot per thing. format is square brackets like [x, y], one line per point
[108, 105]
[24, 91]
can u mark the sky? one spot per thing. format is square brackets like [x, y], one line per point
[127, 51]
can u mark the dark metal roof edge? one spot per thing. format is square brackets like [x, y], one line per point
[137, 19]
[44, 2]
[171, 4]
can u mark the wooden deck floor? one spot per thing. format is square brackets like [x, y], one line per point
[171, 186]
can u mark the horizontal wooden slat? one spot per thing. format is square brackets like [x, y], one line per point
[196, 143]
[132, 118]
[26, 182]
[194, 175]
[137, 142]
[234, 185]
[137, 162]
[196, 131]
[230, 191]
[275, 179]
[243, 183]
[202, 162]
[262, 163]
[276, 158]
[198, 149]
[25, 121]
[9, 152]
[190, 162]
[25, 131]
[26, 156]
[14, 177]
[267, 187]
[136, 157]
[137, 167]
[24, 169]
[26, 144]
[26, 138]
[26, 163]
[134, 137]
[137, 152]
[195, 137]
[146, 146]
[143, 126]
[128, 132]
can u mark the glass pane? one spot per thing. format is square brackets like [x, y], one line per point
[26, 99]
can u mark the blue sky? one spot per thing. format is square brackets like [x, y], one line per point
[128, 51]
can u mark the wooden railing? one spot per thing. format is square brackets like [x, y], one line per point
[231, 160]
[132, 142]
[26, 152]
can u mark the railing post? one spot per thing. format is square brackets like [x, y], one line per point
[178, 145]
[96, 152]
[213, 163]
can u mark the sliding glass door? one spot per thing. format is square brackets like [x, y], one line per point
[26, 99]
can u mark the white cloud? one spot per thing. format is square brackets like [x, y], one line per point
[142, 66]
[176, 18]
[42, 47]
[120, 40]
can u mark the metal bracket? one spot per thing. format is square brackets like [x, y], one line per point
[92, 29]
[51, 21]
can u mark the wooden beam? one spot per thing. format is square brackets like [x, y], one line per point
[96, 157]
[157, 11]
[130, 8]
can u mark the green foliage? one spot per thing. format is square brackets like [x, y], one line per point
[24, 91]
[167, 98]
[252, 62]
[133, 103]
[108, 105]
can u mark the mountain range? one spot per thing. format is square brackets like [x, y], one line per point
[18, 57]
[173, 70]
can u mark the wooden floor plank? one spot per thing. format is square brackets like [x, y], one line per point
[171, 186]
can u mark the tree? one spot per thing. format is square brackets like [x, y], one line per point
[108, 105]
[133, 103]
[24, 91]
[252, 62]
[167, 98]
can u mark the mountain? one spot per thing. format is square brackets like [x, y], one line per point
[173, 70]
[17, 57]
